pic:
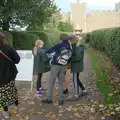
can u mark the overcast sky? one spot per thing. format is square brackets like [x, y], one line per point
[91, 4]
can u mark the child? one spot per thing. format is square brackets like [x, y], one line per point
[41, 64]
[57, 68]
[77, 65]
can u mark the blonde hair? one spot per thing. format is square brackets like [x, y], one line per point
[38, 44]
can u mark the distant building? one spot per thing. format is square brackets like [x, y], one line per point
[94, 20]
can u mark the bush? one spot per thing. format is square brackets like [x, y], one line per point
[23, 40]
[107, 41]
[44, 37]
[54, 36]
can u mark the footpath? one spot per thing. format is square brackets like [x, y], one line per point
[88, 107]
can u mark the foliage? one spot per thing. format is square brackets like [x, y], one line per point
[25, 12]
[44, 37]
[65, 27]
[101, 70]
[23, 40]
[54, 36]
[107, 41]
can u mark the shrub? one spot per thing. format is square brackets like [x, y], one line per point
[44, 37]
[23, 40]
[107, 41]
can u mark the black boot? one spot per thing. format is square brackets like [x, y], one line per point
[65, 91]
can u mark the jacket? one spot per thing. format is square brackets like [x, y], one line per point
[41, 61]
[77, 58]
[56, 50]
[8, 70]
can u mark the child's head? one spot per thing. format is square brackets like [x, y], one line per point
[64, 37]
[39, 43]
[73, 39]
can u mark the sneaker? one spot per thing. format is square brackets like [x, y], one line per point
[61, 102]
[65, 92]
[42, 89]
[46, 101]
[6, 114]
[73, 98]
[38, 94]
[84, 92]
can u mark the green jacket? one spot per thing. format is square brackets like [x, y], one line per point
[41, 62]
[77, 58]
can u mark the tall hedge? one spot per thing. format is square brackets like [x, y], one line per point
[44, 37]
[107, 41]
[23, 40]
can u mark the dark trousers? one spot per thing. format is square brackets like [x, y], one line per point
[6, 107]
[77, 83]
[38, 84]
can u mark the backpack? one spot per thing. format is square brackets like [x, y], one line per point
[64, 56]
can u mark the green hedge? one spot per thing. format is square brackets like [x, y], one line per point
[44, 37]
[23, 40]
[107, 41]
[54, 36]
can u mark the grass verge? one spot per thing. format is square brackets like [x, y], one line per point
[101, 70]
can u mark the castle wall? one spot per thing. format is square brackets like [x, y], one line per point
[102, 19]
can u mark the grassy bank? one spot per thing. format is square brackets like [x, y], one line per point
[101, 70]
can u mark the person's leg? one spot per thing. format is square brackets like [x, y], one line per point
[6, 112]
[75, 82]
[53, 75]
[61, 76]
[38, 84]
[80, 83]
[65, 85]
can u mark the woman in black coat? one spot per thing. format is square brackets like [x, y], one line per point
[8, 72]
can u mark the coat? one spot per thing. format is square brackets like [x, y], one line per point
[41, 62]
[77, 58]
[8, 70]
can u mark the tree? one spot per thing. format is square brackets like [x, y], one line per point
[65, 27]
[25, 12]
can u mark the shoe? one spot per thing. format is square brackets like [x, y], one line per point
[84, 92]
[73, 98]
[61, 102]
[65, 92]
[6, 114]
[42, 89]
[46, 101]
[39, 94]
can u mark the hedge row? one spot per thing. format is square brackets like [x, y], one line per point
[107, 41]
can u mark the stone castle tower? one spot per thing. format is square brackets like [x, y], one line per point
[78, 15]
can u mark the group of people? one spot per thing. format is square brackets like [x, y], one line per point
[57, 61]
[70, 50]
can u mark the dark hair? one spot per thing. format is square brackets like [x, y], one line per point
[64, 37]
[2, 38]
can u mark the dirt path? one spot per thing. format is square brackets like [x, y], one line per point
[87, 108]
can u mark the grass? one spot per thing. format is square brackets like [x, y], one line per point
[101, 72]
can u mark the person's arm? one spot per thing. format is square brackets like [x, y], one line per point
[14, 56]
[52, 49]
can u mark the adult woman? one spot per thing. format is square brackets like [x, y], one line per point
[41, 63]
[8, 72]
[77, 65]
